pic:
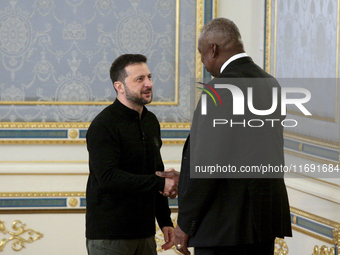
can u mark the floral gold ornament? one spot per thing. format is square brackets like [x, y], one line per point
[282, 248]
[18, 238]
[73, 134]
[323, 250]
[73, 202]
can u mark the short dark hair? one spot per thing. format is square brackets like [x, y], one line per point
[222, 31]
[117, 70]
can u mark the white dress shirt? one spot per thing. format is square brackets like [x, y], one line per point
[237, 56]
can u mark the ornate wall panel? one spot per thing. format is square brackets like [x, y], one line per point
[56, 55]
[302, 42]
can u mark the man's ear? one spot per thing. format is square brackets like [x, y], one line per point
[119, 86]
[213, 50]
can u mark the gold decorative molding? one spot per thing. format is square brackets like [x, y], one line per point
[44, 124]
[199, 25]
[173, 142]
[268, 36]
[314, 217]
[165, 141]
[323, 250]
[311, 234]
[73, 202]
[175, 125]
[215, 8]
[73, 134]
[281, 247]
[42, 194]
[42, 142]
[310, 216]
[336, 236]
[179, 125]
[18, 241]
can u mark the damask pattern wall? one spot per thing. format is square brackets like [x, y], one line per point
[61, 51]
[303, 43]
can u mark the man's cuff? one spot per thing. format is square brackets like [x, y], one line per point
[161, 184]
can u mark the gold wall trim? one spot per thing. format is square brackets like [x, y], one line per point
[44, 125]
[316, 236]
[173, 142]
[63, 162]
[44, 174]
[45, 162]
[42, 142]
[312, 140]
[54, 211]
[215, 6]
[175, 125]
[42, 194]
[42, 211]
[179, 125]
[16, 237]
[268, 36]
[314, 217]
[199, 25]
[165, 141]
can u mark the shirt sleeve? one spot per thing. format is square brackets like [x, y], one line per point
[163, 211]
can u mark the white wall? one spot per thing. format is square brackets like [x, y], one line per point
[248, 15]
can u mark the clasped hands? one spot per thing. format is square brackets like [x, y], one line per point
[171, 182]
[170, 190]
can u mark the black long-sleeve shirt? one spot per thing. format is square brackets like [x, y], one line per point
[122, 192]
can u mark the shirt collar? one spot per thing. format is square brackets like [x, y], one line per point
[237, 56]
[129, 112]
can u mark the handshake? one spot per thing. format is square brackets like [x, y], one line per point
[171, 182]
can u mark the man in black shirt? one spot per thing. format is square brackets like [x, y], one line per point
[123, 193]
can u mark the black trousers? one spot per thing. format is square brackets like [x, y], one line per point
[263, 248]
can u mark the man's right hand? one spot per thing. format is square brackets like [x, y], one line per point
[171, 182]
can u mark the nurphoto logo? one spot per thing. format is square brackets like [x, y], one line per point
[238, 105]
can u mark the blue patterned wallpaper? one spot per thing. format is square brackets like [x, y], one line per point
[305, 45]
[62, 50]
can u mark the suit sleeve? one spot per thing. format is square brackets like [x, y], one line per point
[207, 147]
[104, 152]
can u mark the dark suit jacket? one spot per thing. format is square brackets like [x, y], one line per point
[247, 209]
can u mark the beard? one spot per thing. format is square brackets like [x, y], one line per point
[137, 99]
